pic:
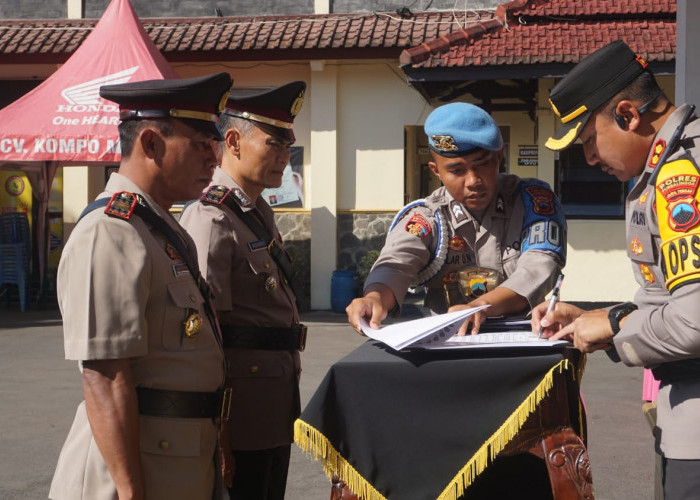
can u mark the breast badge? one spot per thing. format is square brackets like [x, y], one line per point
[193, 323]
[418, 226]
[476, 281]
[270, 284]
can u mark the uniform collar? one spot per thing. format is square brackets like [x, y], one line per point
[460, 215]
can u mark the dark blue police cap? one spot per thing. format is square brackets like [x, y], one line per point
[593, 82]
[271, 109]
[458, 128]
[196, 101]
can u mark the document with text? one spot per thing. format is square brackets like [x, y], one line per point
[439, 332]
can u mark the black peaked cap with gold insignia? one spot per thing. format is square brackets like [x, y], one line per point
[196, 101]
[271, 109]
[593, 81]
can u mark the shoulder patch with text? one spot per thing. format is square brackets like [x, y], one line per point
[544, 225]
[679, 221]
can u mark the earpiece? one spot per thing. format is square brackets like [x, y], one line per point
[621, 122]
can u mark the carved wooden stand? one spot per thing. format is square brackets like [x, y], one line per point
[547, 433]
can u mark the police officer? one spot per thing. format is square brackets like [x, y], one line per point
[133, 313]
[243, 257]
[481, 238]
[628, 127]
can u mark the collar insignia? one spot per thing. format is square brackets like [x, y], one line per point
[458, 211]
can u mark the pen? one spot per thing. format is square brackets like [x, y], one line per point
[552, 301]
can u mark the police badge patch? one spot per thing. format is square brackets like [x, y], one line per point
[542, 199]
[418, 226]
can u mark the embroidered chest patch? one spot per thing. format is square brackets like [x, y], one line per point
[418, 226]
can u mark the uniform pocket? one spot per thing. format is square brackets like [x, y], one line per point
[170, 436]
[185, 319]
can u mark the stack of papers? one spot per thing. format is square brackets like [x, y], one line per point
[439, 332]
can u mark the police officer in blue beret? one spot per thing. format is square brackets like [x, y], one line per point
[136, 314]
[482, 238]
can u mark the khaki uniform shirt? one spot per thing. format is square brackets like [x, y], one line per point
[663, 243]
[124, 294]
[249, 290]
[521, 236]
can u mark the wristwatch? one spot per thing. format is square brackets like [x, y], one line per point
[617, 313]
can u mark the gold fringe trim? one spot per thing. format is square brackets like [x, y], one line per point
[498, 441]
[315, 444]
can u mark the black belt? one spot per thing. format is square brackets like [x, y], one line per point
[674, 371]
[261, 337]
[184, 404]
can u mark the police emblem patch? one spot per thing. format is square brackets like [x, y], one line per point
[679, 192]
[657, 150]
[542, 199]
[121, 205]
[418, 226]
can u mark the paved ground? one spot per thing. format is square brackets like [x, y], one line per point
[39, 392]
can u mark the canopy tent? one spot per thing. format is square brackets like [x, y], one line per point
[64, 121]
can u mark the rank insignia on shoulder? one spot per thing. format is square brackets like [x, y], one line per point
[418, 226]
[121, 205]
[215, 195]
[658, 149]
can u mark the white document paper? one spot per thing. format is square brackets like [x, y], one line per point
[420, 332]
[439, 332]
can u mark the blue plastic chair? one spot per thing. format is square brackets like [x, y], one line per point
[14, 254]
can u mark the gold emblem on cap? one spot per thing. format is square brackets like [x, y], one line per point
[193, 325]
[297, 104]
[444, 143]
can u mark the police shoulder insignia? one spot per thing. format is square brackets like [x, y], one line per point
[215, 195]
[542, 199]
[658, 148]
[122, 205]
[418, 226]
[678, 217]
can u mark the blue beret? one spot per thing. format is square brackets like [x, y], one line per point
[459, 128]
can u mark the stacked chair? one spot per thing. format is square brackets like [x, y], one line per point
[15, 255]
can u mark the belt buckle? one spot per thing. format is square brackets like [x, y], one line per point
[226, 397]
[302, 338]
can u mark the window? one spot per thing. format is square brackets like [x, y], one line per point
[587, 192]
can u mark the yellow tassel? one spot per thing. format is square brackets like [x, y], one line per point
[314, 443]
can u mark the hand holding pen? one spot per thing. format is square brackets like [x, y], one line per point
[552, 301]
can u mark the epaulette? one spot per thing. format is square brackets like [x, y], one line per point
[215, 195]
[122, 205]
